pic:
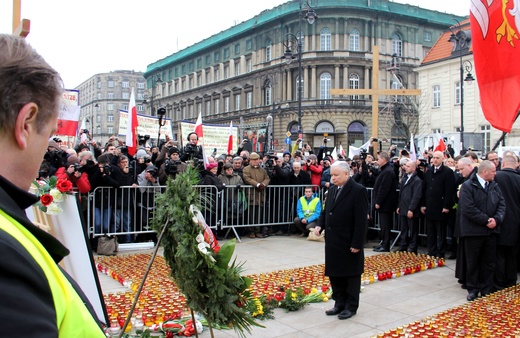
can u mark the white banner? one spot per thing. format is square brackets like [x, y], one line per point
[146, 125]
[215, 136]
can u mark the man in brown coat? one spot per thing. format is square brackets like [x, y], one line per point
[257, 177]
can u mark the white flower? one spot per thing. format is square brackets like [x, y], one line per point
[56, 195]
[200, 238]
[202, 248]
[54, 209]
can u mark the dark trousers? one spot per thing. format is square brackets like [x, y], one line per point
[480, 252]
[345, 292]
[436, 237]
[409, 225]
[386, 222]
[505, 269]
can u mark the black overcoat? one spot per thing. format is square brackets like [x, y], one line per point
[509, 182]
[410, 194]
[438, 190]
[345, 223]
[385, 189]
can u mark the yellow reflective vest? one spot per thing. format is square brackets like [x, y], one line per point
[73, 318]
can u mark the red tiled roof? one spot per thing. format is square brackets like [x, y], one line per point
[442, 49]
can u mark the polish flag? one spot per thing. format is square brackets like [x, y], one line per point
[341, 151]
[441, 146]
[230, 138]
[198, 126]
[131, 127]
[68, 120]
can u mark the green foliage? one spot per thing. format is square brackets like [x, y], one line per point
[293, 301]
[215, 290]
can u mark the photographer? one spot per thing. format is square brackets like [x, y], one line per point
[192, 151]
[54, 157]
[368, 170]
[74, 173]
[172, 166]
[315, 170]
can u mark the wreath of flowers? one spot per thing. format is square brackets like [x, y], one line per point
[51, 192]
[199, 266]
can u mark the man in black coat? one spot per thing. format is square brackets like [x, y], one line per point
[438, 190]
[384, 199]
[508, 179]
[482, 209]
[345, 221]
[410, 194]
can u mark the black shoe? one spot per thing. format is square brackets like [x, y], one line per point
[381, 249]
[472, 296]
[376, 246]
[332, 312]
[345, 314]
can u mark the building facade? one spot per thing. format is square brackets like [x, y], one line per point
[103, 95]
[446, 105]
[239, 75]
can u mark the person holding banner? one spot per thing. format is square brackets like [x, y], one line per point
[38, 298]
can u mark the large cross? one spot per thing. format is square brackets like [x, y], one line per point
[23, 27]
[375, 92]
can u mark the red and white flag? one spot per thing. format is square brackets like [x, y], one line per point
[230, 138]
[495, 31]
[68, 120]
[441, 146]
[198, 126]
[131, 127]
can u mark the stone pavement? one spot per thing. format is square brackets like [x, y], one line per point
[383, 305]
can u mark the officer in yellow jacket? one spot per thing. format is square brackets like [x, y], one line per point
[37, 299]
[308, 209]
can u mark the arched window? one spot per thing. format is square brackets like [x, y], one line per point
[299, 86]
[397, 44]
[356, 134]
[268, 49]
[325, 83]
[325, 39]
[353, 83]
[354, 40]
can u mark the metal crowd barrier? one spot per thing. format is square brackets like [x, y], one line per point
[127, 211]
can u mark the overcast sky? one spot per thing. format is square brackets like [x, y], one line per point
[85, 37]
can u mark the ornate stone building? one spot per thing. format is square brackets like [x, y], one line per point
[239, 74]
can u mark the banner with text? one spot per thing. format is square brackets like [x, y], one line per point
[146, 125]
[215, 136]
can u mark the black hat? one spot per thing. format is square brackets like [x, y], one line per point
[173, 150]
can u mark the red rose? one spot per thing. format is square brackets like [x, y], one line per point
[64, 185]
[46, 200]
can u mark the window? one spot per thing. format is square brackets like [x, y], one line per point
[191, 67]
[226, 72]
[208, 107]
[199, 63]
[436, 96]
[191, 82]
[110, 84]
[99, 84]
[237, 102]
[427, 36]
[268, 49]
[267, 93]
[110, 96]
[249, 100]
[140, 85]
[110, 129]
[99, 108]
[216, 75]
[237, 69]
[110, 106]
[124, 106]
[249, 65]
[126, 95]
[183, 70]
[217, 106]
[183, 84]
[457, 92]
[354, 40]
[216, 57]
[199, 107]
[397, 45]
[486, 138]
[208, 60]
[299, 87]
[99, 96]
[353, 83]
[98, 118]
[98, 130]
[249, 44]
[191, 111]
[226, 104]
[125, 84]
[325, 39]
[110, 118]
[237, 49]
[226, 53]
[207, 77]
[140, 108]
[325, 83]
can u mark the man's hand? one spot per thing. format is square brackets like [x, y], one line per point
[409, 214]
[261, 186]
[304, 221]
[354, 250]
[376, 206]
[445, 211]
[423, 210]
[317, 230]
[491, 223]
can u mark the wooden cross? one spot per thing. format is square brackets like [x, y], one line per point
[375, 92]
[23, 27]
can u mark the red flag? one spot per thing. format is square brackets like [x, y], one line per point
[68, 120]
[494, 29]
[441, 146]
[198, 126]
[131, 127]
[230, 138]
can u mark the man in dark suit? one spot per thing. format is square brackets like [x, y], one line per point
[409, 207]
[508, 179]
[438, 190]
[345, 221]
[384, 199]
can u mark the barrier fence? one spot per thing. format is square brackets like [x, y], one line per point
[127, 211]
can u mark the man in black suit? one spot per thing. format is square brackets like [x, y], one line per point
[409, 207]
[508, 179]
[345, 221]
[438, 190]
[384, 199]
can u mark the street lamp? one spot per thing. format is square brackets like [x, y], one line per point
[289, 41]
[461, 40]
[269, 135]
